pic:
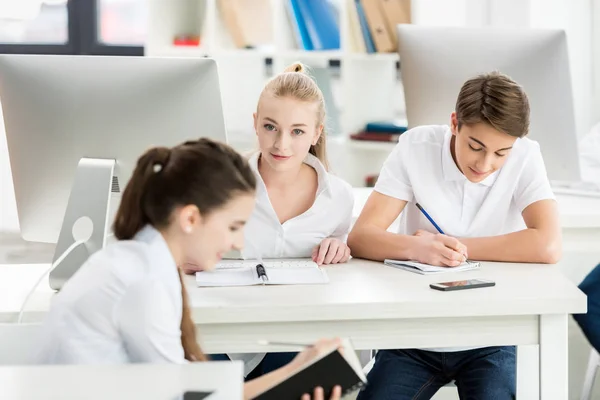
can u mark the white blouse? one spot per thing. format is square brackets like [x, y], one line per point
[330, 216]
[122, 306]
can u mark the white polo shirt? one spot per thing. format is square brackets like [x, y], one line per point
[421, 169]
[329, 216]
[122, 306]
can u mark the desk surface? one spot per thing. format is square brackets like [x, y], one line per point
[575, 211]
[148, 382]
[369, 290]
[357, 290]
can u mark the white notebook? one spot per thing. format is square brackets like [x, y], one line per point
[426, 269]
[278, 272]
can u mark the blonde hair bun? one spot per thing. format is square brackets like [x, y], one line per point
[295, 67]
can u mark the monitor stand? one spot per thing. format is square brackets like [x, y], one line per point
[86, 218]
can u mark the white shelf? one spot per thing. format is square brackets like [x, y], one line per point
[372, 56]
[366, 145]
[371, 145]
[364, 90]
[200, 51]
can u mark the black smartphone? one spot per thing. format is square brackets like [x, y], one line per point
[196, 395]
[460, 285]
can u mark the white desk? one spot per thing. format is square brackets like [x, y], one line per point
[382, 307]
[122, 382]
[378, 307]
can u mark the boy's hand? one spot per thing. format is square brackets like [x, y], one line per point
[438, 249]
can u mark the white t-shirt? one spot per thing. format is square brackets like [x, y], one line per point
[421, 169]
[330, 216]
[123, 305]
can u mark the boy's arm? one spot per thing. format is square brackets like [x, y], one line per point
[369, 237]
[541, 242]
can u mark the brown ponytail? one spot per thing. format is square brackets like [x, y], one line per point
[204, 173]
[191, 349]
[131, 216]
[295, 82]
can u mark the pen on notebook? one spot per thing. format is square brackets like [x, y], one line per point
[262, 274]
[435, 225]
[260, 267]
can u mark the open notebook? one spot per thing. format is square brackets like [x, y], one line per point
[278, 272]
[333, 368]
[426, 269]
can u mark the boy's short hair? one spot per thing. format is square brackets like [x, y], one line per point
[496, 100]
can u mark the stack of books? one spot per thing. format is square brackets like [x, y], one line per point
[381, 131]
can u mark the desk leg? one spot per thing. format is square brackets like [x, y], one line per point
[554, 378]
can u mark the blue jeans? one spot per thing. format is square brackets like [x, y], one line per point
[479, 374]
[270, 363]
[590, 322]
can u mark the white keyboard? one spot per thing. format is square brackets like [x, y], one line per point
[588, 189]
[278, 263]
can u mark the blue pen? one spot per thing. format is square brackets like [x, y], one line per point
[430, 219]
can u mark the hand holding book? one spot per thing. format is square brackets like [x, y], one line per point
[326, 370]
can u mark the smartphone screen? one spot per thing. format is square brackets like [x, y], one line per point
[196, 395]
[465, 284]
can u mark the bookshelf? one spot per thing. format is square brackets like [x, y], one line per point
[367, 88]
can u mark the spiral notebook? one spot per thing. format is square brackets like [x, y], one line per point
[426, 269]
[330, 370]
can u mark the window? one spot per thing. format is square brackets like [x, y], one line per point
[96, 27]
[122, 22]
[28, 22]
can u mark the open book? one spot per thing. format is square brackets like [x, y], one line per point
[426, 269]
[333, 368]
[276, 272]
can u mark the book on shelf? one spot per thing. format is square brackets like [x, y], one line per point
[377, 26]
[381, 131]
[387, 126]
[375, 136]
[240, 16]
[314, 23]
[395, 12]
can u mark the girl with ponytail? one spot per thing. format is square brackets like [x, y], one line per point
[128, 303]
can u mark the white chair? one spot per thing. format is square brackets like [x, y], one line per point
[18, 343]
[590, 375]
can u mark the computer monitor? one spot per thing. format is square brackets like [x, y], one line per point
[76, 125]
[436, 61]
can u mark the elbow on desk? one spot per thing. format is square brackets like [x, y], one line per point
[356, 242]
[353, 243]
[550, 253]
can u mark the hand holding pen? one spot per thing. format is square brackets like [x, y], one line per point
[438, 249]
